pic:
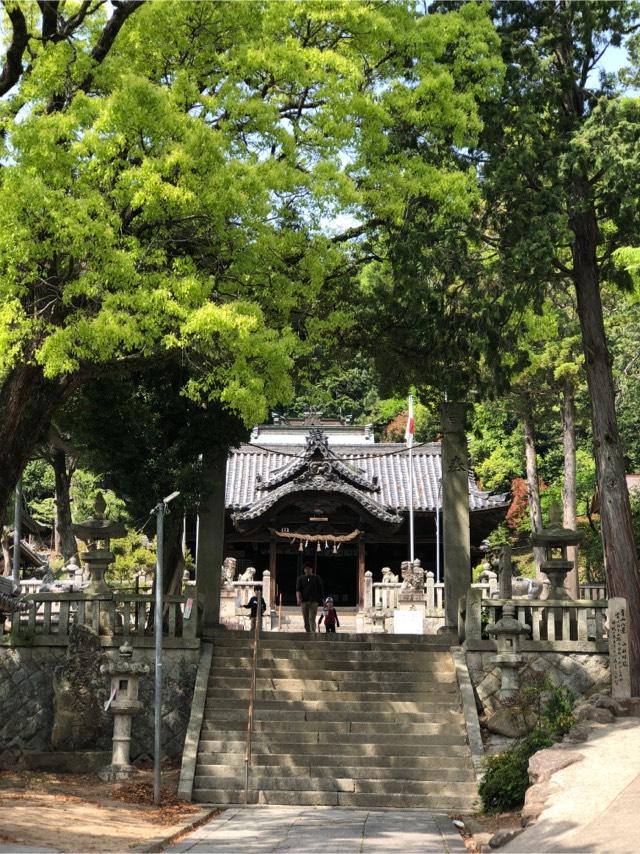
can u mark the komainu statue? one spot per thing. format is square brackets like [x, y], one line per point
[248, 574]
[388, 577]
[228, 571]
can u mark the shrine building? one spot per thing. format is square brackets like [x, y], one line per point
[325, 493]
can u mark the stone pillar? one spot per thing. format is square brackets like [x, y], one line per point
[368, 589]
[455, 509]
[619, 648]
[505, 573]
[473, 615]
[211, 540]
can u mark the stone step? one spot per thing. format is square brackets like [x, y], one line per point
[362, 800]
[345, 640]
[358, 697]
[442, 734]
[340, 784]
[440, 677]
[422, 660]
[439, 758]
[350, 743]
[437, 705]
[348, 684]
[371, 674]
[335, 671]
[342, 727]
[303, 718]
[461, 774]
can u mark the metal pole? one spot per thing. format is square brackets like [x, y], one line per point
[158, 637]
[17, 533]
[160, 509]
[411, 503]
[438, 533]
[197, 543]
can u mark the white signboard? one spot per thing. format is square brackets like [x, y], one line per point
[408, 622]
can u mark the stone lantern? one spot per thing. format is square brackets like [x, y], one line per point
[97, 532]
[507, 632]
[555, 540]
[124, 703]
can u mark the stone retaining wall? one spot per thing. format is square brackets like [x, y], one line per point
[583, 673]
[26, 701]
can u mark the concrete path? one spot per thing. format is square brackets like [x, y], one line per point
[597, 806]
[318, 830]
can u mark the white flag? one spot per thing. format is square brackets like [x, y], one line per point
[408, 435]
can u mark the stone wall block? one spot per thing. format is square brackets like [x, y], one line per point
[26, 702]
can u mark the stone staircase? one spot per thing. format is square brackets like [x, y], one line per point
[340, 720]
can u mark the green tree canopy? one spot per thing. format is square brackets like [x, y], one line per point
[168, 177]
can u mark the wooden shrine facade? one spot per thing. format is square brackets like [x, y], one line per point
[337, 500]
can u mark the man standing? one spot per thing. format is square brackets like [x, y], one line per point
[309, 595]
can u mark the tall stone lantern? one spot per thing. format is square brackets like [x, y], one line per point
[97, 532]
[124, 703]
[555, 540]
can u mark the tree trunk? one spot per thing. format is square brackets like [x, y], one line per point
[533, 487]
[615, 512]
[569, 515]
[28, 402]
[64, 534]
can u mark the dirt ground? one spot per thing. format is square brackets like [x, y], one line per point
[490, 823]
[81, 813]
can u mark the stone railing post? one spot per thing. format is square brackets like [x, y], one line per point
[473, 611]
[505, 573]
[266, 589]
[430, 591]
[368, 589]
[492, 578]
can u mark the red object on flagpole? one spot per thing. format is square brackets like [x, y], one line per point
[408, 433]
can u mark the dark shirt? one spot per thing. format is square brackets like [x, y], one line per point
[253, 604]
[310, 588]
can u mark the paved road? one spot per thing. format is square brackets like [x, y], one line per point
[312, 830]
[595, 804]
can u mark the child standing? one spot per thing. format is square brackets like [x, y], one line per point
[253, 605]
[329, 615]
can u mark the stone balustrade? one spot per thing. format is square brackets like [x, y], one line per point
[556, 625]
[593, 592]
[236, 594]
[385, 596]
[115, 615]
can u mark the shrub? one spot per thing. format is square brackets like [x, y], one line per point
[506, 775]
[557, 716]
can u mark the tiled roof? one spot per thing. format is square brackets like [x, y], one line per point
[389, 462]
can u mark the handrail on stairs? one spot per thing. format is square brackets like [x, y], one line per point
[252, 696]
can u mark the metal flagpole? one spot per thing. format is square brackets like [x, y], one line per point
[438, 533]
[409, 438]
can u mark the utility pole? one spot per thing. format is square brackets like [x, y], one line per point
[160, 509]
[17, 533]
